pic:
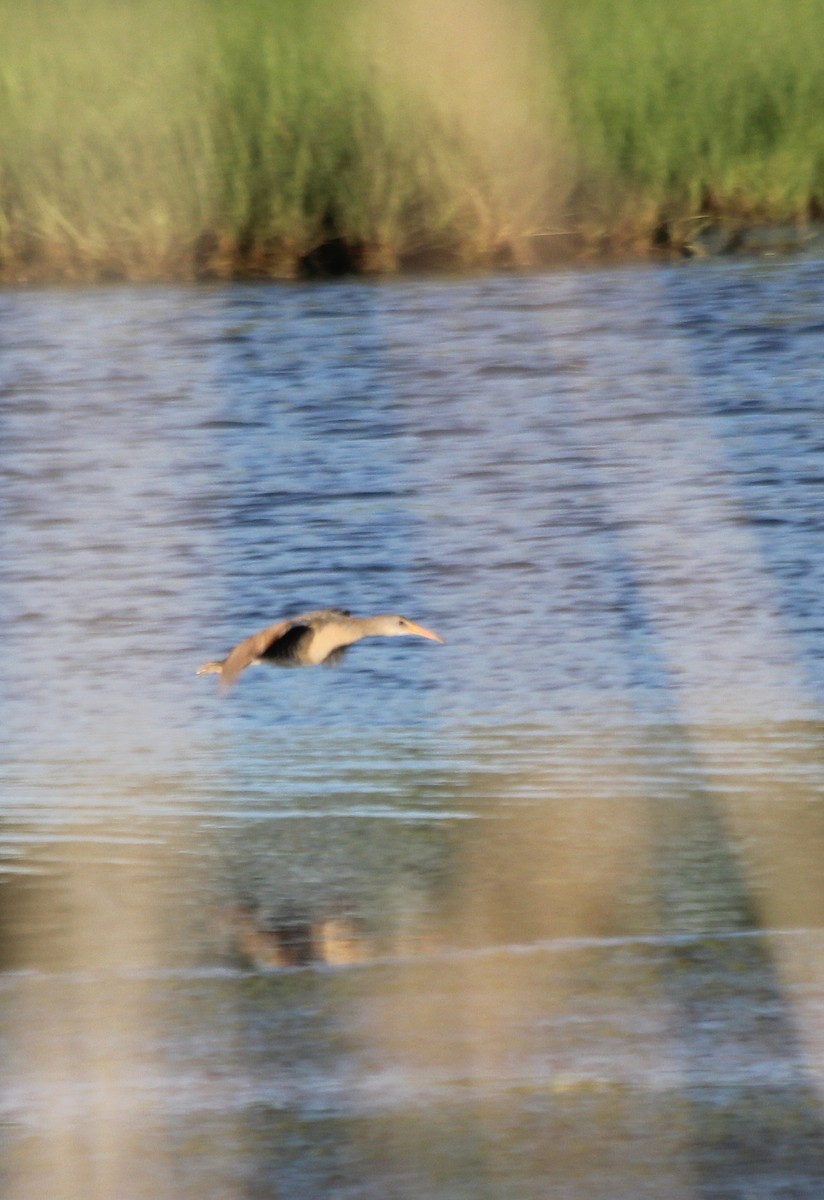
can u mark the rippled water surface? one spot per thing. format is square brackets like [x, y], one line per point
[535, 913]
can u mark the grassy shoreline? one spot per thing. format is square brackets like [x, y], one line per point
[186, 139]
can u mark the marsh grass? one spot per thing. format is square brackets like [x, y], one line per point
[170, 138]
[683, 105]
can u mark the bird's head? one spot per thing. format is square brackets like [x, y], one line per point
[394, 625]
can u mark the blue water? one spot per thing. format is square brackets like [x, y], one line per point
[604, 489]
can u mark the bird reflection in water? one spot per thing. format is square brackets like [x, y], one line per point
[336, 939]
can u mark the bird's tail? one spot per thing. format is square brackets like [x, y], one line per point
[210, 668]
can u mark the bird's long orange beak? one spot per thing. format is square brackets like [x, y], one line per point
[422, 631]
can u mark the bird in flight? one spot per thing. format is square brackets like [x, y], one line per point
[309, 640]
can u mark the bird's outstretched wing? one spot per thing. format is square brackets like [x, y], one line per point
[275, 642]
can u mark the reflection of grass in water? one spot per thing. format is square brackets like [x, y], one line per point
[446, 1148]
[148, 138]
[614, 1141]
